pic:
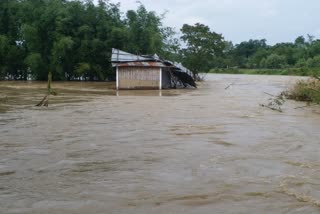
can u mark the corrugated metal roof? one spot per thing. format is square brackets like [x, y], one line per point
[182, 68]
[124, 59]
[122, 56]
[139, 64]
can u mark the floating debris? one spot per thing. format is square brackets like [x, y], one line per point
[275, 102]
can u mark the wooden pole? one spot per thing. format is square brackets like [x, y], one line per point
[160, 79]
[117, 74]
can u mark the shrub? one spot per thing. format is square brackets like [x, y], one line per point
[314, 62]
[275, 61]
[305, 90]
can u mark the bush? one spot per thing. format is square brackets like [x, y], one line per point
[305, 90]
[275, 61]
[314, 62]
[301, 63]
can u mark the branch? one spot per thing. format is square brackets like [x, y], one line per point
[269, 94]
[229, 86]
[44, 101]
[269, 107]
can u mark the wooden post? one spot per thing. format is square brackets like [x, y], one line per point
[117, 76]
[160, 79]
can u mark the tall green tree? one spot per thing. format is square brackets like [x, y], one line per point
[202, 46]
[145, 36]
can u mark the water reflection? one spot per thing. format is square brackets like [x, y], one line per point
[154, 93]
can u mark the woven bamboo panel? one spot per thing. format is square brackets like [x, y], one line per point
[138, 77]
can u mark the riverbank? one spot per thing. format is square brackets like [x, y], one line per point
[285, 71]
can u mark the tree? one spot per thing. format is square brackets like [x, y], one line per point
[300, 41]
[255, 60]
[36, 65]
[243, 51]
[314, 48]
[144, 29]
[275, 61]
[4, 49]
[314, 62]
[202, 46]
[289, 51]
[171, 45]
[62, 58]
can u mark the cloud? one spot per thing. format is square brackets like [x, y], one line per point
[239, 20]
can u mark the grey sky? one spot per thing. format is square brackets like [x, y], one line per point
[240, 20]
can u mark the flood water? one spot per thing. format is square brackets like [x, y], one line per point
[209, 150]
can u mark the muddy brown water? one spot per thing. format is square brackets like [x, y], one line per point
[209, 150]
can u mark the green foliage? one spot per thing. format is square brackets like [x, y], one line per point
[258, 59]
[202, 47]
[300, 41]
[73, 39]
[314, 48]
[301, 63]
[305, 90]
[81, 69]
[35, 63]
[313, 62]
[144, 31]
[4, 48]
[275, 61]
[62, 58]
[247, 49]
[255, 54]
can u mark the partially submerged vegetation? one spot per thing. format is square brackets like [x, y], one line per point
[45, 100]
[275, 102]
[305, 90]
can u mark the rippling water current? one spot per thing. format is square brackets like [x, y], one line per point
[209, 150]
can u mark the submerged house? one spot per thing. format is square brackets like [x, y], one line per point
[149, 72]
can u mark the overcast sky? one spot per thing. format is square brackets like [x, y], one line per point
[240, 20]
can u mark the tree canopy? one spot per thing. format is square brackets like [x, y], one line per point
[73, 39]
[202, 46]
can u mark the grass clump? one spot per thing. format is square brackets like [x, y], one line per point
[305, 90]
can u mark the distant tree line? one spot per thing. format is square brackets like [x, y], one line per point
[257, 54]
[73, 40]
[207, 50]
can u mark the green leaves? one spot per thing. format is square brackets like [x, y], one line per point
[199, 39]
[62, 58]
[275, 61]
[202, 47]
[35, 63]
[73, 39]
[144, 31]
[58, 36]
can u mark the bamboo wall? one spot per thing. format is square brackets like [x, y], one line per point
[138, 77]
